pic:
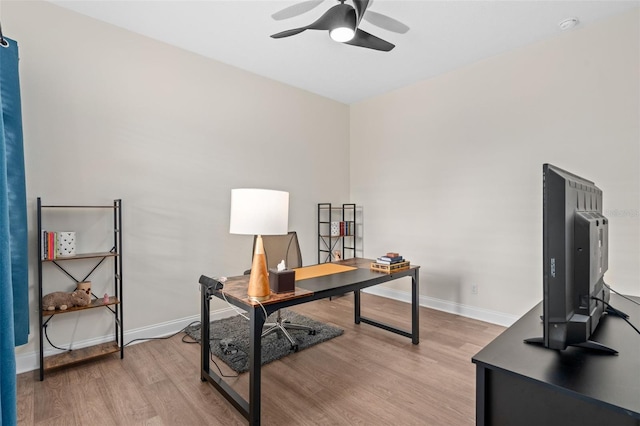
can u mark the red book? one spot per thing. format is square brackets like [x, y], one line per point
[52, 245]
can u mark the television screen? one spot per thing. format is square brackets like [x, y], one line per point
[575, 255]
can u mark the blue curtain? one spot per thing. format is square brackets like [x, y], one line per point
[14, 297]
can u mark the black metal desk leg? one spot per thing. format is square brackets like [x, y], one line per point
[415, 307]
[356, 306]
[205, 341]
[255, 362]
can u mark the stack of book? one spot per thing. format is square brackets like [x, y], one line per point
[48, 247]
[342, 229]
[346, 228]
[390, 262]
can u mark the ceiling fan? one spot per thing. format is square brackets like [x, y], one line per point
[343, 21]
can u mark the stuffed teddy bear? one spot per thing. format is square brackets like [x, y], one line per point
[63, 300]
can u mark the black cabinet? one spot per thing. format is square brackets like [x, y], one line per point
[522, 384]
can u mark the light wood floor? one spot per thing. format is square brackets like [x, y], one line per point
[366, 376]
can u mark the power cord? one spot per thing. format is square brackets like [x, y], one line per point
[134, 340]
[239, 312]
[191, 342]
[47, 337]
[194, 341]
[617, 313]
[218, 367]
[621, 295]
[261, 305]
[165, 337]
[235, 308]
[184, 340]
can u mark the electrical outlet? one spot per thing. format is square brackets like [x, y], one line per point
[474, 288]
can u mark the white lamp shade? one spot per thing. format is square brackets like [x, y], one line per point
[259, 212]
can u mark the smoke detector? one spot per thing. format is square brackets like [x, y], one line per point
[567, 24]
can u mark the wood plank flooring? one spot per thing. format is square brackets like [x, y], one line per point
[367, 376]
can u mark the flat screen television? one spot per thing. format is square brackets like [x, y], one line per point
[575, 254]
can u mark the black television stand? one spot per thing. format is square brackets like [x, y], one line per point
[527, 385]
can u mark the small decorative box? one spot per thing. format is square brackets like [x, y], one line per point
[282, 281]
[66, 244]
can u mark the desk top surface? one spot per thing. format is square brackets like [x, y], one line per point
[236, 287]
[613, 380]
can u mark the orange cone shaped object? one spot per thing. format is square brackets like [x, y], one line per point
[259, 279]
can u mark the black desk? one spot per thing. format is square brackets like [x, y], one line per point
[307, 290]
[523, 384]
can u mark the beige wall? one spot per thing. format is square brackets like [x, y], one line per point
[110, 114]
[449, 171]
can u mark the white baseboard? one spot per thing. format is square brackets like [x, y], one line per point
[481, 314]
[30, 361]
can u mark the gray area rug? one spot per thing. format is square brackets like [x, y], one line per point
[230, 338]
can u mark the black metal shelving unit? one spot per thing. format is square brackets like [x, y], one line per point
[114, 303]
[346, 237]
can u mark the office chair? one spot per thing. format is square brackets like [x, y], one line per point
[277, 248]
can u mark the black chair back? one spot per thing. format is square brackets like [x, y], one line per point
[279, 247]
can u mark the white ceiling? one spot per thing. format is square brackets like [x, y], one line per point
[444, 35]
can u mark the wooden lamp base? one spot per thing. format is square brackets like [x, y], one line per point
[259, 278]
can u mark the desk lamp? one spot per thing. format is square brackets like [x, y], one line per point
[259, 212]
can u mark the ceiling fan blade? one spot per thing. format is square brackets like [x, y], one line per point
[385, 22]
[289, 33]
[325, 22]
[364, 39]
[361, 8]
[296, 9]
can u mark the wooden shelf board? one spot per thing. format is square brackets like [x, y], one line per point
[95, 303]
[79, 355]
[83, 256]
[79, 207]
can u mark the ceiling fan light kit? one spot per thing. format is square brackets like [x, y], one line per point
[342, 34]
[343, 25]
[342, 22]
